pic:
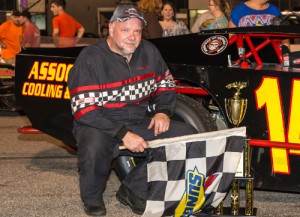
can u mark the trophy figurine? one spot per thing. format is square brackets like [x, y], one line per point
[236, 106]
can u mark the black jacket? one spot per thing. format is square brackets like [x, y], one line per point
[107, 91]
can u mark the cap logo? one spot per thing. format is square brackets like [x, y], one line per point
[125, 12]
[132, 11]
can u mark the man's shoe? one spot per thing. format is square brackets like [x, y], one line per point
[128, 198]
[95, 210]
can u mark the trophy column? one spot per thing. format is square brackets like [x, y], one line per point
[235, 110]
[249, 182]
[235, 197]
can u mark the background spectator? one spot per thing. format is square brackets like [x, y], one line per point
[220, 9]
[202, 22]
[170, 25]
[31, 33]
[104, 30]
[151, 10]
[64, 25]
[253, 13]
[10, 38]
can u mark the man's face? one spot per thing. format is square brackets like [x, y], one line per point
[22, 20]
[55, 9]
[125, 36]
[16, 20]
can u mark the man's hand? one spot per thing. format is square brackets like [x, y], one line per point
[80, 33]
[134, 142]
[161, 123]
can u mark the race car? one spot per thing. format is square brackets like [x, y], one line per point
[7, 84]
[225, 78]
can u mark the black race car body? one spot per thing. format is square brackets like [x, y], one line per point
[7, 92]
[212, 66]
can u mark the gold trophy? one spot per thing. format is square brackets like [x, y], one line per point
[236, 106]
[235, 110]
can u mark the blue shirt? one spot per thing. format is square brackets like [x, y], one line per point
[243, 16]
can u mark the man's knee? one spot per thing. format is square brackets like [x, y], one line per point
[190, 129]
[94, 141]
[182, 128]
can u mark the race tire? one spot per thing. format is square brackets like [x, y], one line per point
[187, 110]
[192, 112]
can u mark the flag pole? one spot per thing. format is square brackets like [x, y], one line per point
[239, 131]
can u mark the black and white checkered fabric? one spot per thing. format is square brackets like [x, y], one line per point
[129, 93]
[192, 173]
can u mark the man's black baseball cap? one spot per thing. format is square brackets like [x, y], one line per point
[26, 14]
[125, 12]
[16, 13]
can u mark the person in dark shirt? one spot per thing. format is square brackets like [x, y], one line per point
[104, 29]
[151, 10]
[122, 92]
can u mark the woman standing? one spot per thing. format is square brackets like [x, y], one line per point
[220, 9]
[151, 9]
[171, 26]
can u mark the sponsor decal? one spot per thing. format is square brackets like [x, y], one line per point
[48, 80]
[193, 197]
[214, 45]
[87, 100]
[6, 73]
[296, 61]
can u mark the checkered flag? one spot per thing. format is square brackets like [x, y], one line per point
[191, 174]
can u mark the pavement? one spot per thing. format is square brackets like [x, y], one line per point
[39, 178]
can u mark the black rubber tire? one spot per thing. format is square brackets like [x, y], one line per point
[187, 110]
[192, 112]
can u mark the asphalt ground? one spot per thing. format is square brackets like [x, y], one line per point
[38, 177]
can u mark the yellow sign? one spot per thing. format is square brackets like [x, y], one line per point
[56, 75]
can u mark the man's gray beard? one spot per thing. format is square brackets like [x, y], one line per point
[127, 53]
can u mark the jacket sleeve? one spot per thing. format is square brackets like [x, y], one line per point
[164, 98]
[86, 101]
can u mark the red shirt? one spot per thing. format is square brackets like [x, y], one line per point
[31, 36]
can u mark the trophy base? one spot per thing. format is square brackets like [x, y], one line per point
[227, 213]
